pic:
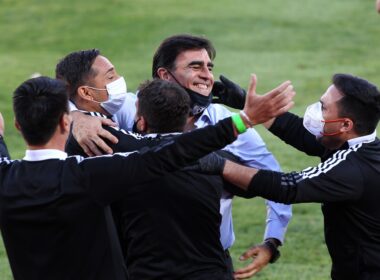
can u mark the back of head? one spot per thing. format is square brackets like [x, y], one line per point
[38, 105]
[164, 105]
[171, 47]
[360, 102]
[75, 68]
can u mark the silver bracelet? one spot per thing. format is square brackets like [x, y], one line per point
[246, 118]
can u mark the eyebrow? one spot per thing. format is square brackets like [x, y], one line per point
[110, 70]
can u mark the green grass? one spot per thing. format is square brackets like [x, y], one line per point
[305, 41]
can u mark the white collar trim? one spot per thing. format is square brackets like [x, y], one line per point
[43, 154]
[362, 139]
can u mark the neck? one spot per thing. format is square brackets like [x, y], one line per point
[90, 106]
[56, 142]
[190, 123]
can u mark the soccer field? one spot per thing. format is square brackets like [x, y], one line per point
[305, 41]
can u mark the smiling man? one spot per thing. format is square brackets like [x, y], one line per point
[187, 60]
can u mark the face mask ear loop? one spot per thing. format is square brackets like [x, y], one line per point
[171, 74]
[332, 121]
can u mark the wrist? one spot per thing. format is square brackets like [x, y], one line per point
[247, 121]
[238, 123]
[272, 245]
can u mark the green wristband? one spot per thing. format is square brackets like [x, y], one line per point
[239, 124]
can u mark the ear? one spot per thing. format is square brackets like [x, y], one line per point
[65, 123]
[163, 74]
[347, 125]
[142, 125]
[17, 125]
[84, 93]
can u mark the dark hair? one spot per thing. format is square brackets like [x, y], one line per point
[75, 68]
[164, 105]
[38, 105]
[360, 102]
[171, 47]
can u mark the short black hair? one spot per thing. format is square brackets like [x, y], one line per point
[38, 105]
[171, 47]
[164, 105]
[75, 68]
[360, 102]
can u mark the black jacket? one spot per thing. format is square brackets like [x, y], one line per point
[347, 183]
[54, 218]
[169, 227]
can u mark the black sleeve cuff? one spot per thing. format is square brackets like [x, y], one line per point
[264, 184]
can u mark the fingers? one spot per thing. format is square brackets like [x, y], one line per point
[108, 122]
[90, 147]
[217, 88]
[249, 253]
[283, 98]
[245, 275]
[252, 85]
[88, 132]
[226, 81]
[261, 257]
[107, 136]
[280, 88]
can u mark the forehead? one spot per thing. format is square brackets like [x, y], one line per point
[188, 56]
[102, 64]
[332, 95]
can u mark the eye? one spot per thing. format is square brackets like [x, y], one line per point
[195, 67]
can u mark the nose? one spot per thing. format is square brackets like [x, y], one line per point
[206, 73]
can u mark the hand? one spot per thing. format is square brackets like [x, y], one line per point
[261, 108]
[378, 6]
[88, 132]
[1, 125]
[261, 256]
[212, 164]
[228, 93]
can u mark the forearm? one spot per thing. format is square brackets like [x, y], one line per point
[238, 175]
[289, 128]
[278, 217]
[191, 146]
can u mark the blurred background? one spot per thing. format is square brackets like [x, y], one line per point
[305, 41]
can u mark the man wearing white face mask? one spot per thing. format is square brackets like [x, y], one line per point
[95, 86]
[340, 129]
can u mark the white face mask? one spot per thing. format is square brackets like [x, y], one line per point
[117, 92]
[313, 120]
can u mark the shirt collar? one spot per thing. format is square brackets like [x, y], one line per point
[362, 139]
[152, 135]
[43, 154]
[205, 118]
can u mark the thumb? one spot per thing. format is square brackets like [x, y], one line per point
[252, 85]
[249, 253]
[226, 81]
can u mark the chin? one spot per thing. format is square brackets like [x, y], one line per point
[330, 142]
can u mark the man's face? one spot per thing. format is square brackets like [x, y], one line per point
[193, 70]
[105, 74]
[330, 111]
